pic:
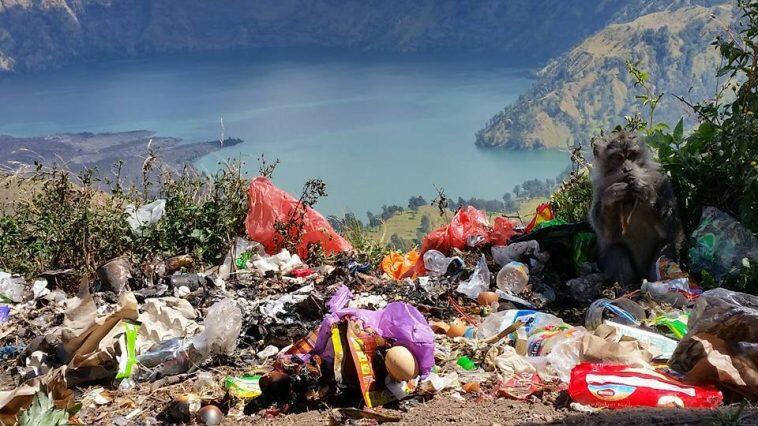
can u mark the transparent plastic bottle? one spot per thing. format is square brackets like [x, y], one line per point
[627, 312]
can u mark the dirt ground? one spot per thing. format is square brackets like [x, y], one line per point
[445, 410]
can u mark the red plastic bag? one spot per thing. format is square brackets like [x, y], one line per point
[502, 231]
[620, 386]
[469, 228]
[268, 204]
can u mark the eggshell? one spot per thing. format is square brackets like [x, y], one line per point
[471, 387]
[487, 298]
[457, 329]
[439, 327]
[400, 363]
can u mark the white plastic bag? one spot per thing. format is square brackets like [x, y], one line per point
[479, 281]
[148, 214]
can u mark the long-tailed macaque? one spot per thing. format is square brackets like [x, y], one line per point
[633, 209]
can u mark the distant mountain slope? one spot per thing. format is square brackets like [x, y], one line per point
[589, 88]
[39, 34]
[101, 151]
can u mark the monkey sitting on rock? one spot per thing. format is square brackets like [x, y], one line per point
[633, 209]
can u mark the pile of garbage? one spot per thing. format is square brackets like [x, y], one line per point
[479, 311]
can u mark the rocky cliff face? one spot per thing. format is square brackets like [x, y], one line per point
[40, 34]
[589, 89]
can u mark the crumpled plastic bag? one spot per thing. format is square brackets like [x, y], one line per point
[468, 228]
[268, 204]
[507, 362]
[479, 281]
[146, 215]
[720, 243]
[396, 265]
[398, 321]
[223, 324]
[283, 262]
[721, 345]
[11, 288]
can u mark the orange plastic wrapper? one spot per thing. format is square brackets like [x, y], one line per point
[268, 204]
[363, 344]
[396, 265]
[544, 213]
[469, 226]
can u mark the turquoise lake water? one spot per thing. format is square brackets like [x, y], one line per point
[377, 130]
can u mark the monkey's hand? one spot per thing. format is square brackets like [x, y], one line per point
[615, 193]
[642, 191]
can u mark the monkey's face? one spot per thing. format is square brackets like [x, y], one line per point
[621, 157]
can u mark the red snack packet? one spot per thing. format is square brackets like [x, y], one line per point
[620, 386]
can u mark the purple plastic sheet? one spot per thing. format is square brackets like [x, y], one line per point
[5, 312]
[398, 322]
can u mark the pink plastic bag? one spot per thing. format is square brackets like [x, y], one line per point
[268, 204]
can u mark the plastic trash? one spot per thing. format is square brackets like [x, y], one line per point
[502, 231]
[269, 205]
[398, 321]
[437, 264]
[243, 387]
[720, 243]
[478, 282]
[115, 274]
[513, 278]
[466, 363]
[148, 214]
[720, 343]
[5, 313]
[515, 251]
[543, 213]
[282, 263]
[39, 288]
[238, 256]
[676, 292]
[223, 325]
[662, 344]
[469, 227]
[128, 345]
[667, 269]
[625, 310]
[397, 265]
[620, 386]
[564, 353]
[11, 288]
[675, 323]
[499, 321]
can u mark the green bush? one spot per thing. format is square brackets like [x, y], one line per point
[571, 201]
[717, 164]
[68, 221]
